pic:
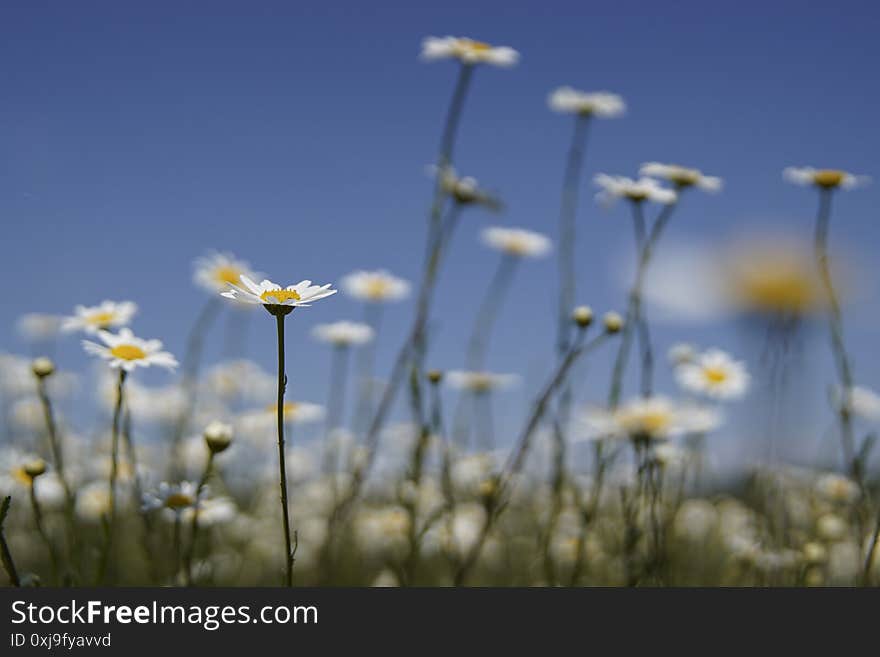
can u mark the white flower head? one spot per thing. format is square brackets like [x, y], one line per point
[375, 286]
[714, 374]
[567, 100]
[861, 402]
[681, 176]
[92, 319]
[681, 353]
[255, 423]
[270, 294]
[38, 326]
[175, 497]
[216, 271]
[643, 418]
[468, 51]
[464, 190]
[824, 178]
[125, 351]
[643, 189]
[517, 242]
[838, 488]
[480, 381]
[343, 334]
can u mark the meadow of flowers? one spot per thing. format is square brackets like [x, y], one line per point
[201, 481]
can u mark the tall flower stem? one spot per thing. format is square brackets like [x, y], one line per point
[110, 522]
[280, 312]
[335, 407]
[838, 348]
[146, 520]
[5, 554]
[366, 359]
[41, 530]
[194, 525]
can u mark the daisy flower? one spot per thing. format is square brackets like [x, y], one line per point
[647, 418]
[714, 374]
[861, 402]
[681, 353]
[343, 334]
[567, 100]
[216, 271]
[480, 381]
[681, 176]
[270, 294]
[92, 319]
[375, 286]
[173, 497]
[466, 190]
[643, 189]
[468, 51]
[837, 488]
[517, 242]
[824, 178]
[256, 423]
[125, 351]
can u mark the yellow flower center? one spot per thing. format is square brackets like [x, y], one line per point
[477, 46]
[178, 501]
[289, 408]
[685, 177]
[654, 422]
[21, 476]
[377, 288]
[636, 195]
[715, 374]
[276, 297]
[778, 290]
[828, 178]
[128, 352]
[227, 275]
[101, 318]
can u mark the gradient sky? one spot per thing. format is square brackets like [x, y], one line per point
[136, 136]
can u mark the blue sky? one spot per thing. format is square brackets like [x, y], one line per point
[136, 136]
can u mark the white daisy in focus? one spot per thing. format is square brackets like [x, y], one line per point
[517, 242]
[375, 286]
[637, 191]
[861, 402]
[567, 100]
[343, 334]
[217, 271]
[464, 190]
[92, 319]
[479, 381]
[268, 293]
[38, 327]
[681, 177]
[125, 351]
[824, 178]
[714, 374]
[468, 51]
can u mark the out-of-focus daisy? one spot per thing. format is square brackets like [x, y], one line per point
[715, 374]
[91, 319]
[604, 104]
[637, 191]
[93, 501]
[838, 488]
[647, 419]
[824, 178]
[38, 327]
[268, 293]
[343, 334]
[468, 51]
[861, 402]
[216, 271]
[295, 412]
[239, 379]
[681, 353]
[680, 176]
[480, 381]
[173, 497]
[125, 351]
[464, 190]
[212, 511]
[375, 286]
[517, 242]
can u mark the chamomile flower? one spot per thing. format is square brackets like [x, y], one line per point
[681, 353]
[637, 191]
[92, 319]
[714, 374]
[343, 334]
[464, 190]
[837, 488]
[375, 286]
[861, 402]
[644, 418]
[480, 381]
[125, 351]
[268, 293]
[681, 177]
[517, 242]
[567, 100]
[824, 178]
[468, 51]
[173, 497]
[216, 271]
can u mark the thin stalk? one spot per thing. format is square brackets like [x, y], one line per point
[114, 472]
[366, 359]
[335, 406]
[5, 554]
[282, 467]
[41, 530]
[194, 525]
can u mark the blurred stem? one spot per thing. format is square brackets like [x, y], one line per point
[366, 359]
[335, 407]
[869, 558]
[5, 554]
[41, 530]
[194, 526]
[114, 472]
[280, 312]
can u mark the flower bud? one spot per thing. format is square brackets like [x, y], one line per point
[42, 367]
[613, 322]
[34, 468]
[218, 436]
[435, 376]
[582, 316]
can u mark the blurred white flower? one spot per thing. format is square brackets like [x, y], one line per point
[343, 334]
[479, 381]
[93, 501]
[295, 412]
[517, 241]
[217, 271]
[637, 191]
[92, 319]
[125, 351]
[681, 353]
[861, 402]
[375, 286]
[681, 176]
[831, 527]
[824, 178]
[465, 190]
[646, 418]
[173, 497]
[837, 488]
[38, 327]
[468, 51]
[240, 379]
[604, 104]
[714, 374]
[268, 293]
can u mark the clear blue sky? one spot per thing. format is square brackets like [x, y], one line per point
[136, 136]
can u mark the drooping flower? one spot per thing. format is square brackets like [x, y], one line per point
[480, 381]
[92, 319]
[125, 351]
[343, 334]
[714, 374]
[268, 293]
[604, 104]
[824, 178]
[216, 271]
[681, 177]
[464, 190]
[517, 242]
[375, 286]
[468, 51]
[637, 191]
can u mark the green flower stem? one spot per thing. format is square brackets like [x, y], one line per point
[110, 520]
[280, 312]
[194, 525]
[5, 554]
